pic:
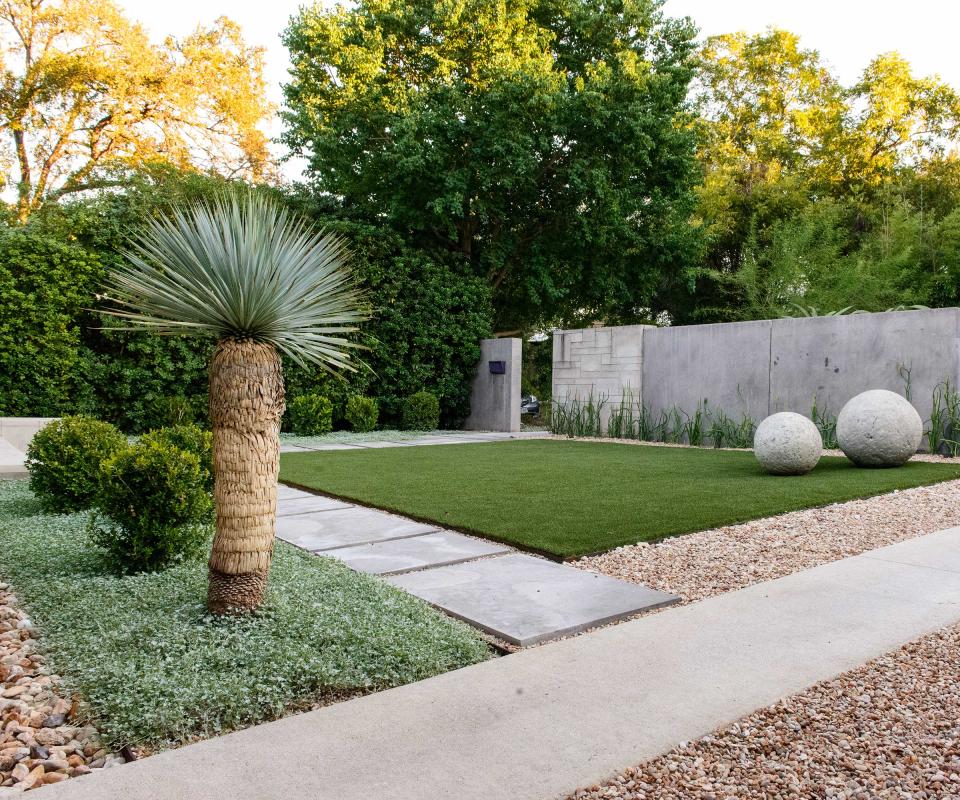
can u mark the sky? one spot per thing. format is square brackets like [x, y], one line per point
[848, 33]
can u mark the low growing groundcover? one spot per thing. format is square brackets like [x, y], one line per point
[153, 670]
[573, 498]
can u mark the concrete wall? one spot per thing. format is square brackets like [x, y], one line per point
[836, 358]
[495, 398]
[760, 367]
[725, 364]
[18, 431]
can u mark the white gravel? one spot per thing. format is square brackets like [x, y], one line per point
[889, 730]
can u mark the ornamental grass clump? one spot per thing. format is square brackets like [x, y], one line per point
[260, 281]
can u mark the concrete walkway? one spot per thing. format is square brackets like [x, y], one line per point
[544, 721]
[435, 438]
[518, 598]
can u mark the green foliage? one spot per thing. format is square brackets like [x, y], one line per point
[427, 338]
[44, 284]
[172, 410]
[152, 506]
[311, 415]
[424, 333]
[819, 194]
[64, 460]
[543, 143]
[191, 438]
[575, 417]
[155, 671]
[362, 413]
[943, 435]
[241, 266]
[421, 412]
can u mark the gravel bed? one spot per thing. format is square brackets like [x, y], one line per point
[889, 730]
[40, 741]
[698, 565]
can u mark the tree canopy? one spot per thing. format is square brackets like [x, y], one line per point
[84, 93]
[812, 188]
[543, 142]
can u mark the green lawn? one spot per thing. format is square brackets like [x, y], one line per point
[568, 498]
[153, 669]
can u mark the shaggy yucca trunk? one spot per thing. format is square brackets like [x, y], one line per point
[246, 404]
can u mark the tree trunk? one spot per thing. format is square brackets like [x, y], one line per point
[246, 404]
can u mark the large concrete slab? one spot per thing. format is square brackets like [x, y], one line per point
[544, 721]
[308, 503]
[285, 492]
[726, 364]
[416, 552]
[324, 530]
[495, 393]
[525, 600]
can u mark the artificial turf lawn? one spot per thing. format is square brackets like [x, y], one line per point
[569, 498]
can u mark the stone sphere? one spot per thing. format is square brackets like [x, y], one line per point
[879, 429]
[787, 444]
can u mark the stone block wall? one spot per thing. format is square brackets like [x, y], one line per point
[605, 361]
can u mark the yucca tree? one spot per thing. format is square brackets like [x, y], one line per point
[262, 282]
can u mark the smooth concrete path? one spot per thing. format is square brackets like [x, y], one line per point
[434, 438]
[539, 723]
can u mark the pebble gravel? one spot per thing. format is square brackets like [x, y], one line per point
[41, 740]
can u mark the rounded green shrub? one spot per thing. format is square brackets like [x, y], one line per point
[362, 413]
[64, 461]
[311, 415]
[421, 412]
[153, 506]
[191, 438]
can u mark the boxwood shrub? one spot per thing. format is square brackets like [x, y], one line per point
[153, 506]
[311, 415]
[64, 461]
[421, 412]
[362, 413]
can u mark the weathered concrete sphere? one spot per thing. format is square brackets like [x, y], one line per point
[787, 444]
[879, 429]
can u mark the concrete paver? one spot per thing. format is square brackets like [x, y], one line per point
[525, 600]
[323, 530]
[416, 552]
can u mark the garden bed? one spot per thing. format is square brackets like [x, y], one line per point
[152, 670]
[570, 498]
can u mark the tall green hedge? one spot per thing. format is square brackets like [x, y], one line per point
[428, 318]
[44, 284]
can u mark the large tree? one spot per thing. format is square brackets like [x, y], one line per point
[542, 141]
[779, 133]
[84, 94]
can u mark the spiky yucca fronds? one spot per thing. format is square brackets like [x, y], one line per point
[242, 268]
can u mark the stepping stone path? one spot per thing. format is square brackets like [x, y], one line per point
[519, 598]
